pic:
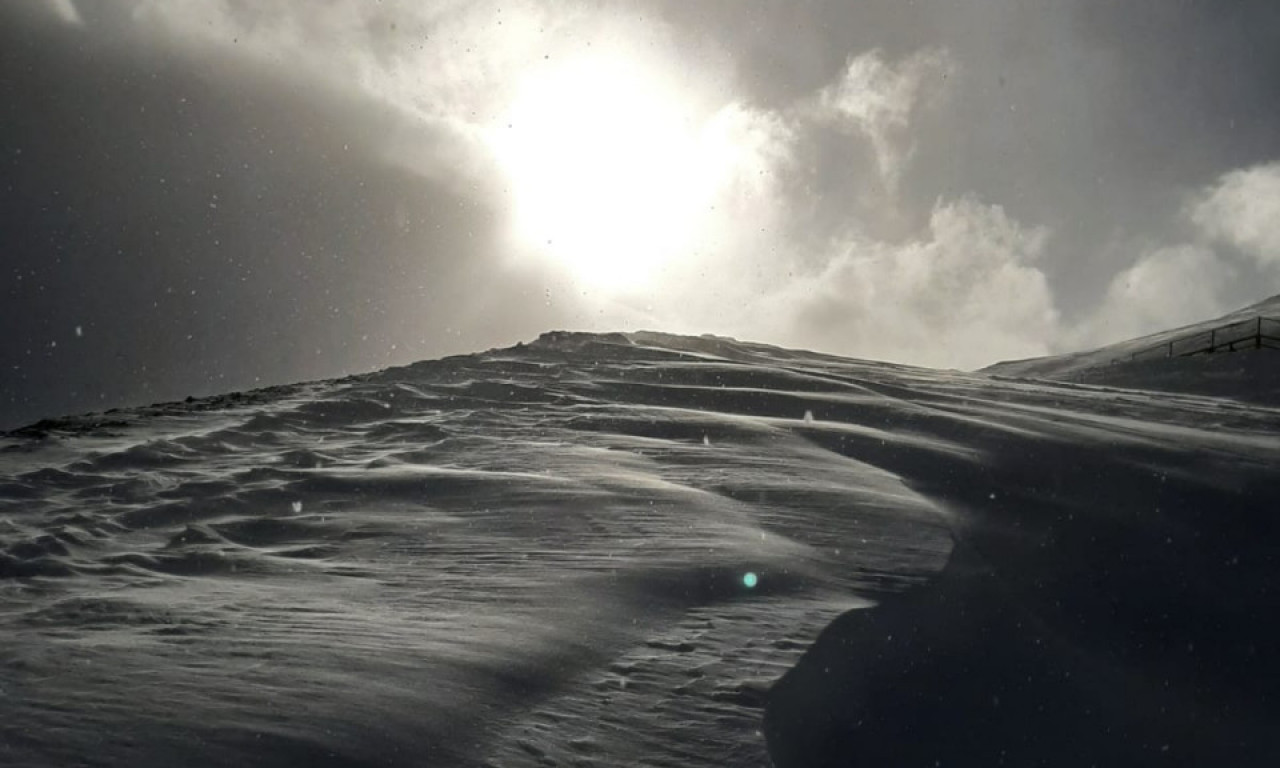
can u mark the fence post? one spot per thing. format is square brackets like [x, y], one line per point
[1170, 349]
[1258, 345]
[1213, 341]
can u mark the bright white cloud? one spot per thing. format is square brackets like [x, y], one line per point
[1166, 287]
[963, 294]
[1243, 210]
[748, 149]
[877, 99]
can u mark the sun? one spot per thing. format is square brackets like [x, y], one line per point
[605, 168]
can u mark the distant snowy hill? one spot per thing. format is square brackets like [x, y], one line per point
[644, 550]
[1149, 362]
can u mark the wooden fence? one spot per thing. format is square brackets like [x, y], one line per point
[1255, 333]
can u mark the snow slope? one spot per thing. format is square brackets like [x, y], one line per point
[540, 556]
[1245, 375]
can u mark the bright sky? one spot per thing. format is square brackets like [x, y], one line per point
[611, 171]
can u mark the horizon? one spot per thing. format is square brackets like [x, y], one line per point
[213, 198]
[550, 336]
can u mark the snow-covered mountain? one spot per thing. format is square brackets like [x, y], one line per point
[644, 550]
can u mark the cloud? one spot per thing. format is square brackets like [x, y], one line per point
[1233, 240]
[1242, 209]
[877, 99]
[1167, 287]
[962, 294]
[958, 285]
[1172, 285]
[962, 290]
[750, 147]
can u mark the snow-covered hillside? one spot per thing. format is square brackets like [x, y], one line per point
[1155, 362]
[644, 550]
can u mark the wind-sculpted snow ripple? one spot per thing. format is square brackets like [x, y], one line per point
[413, 562]
[588, 550]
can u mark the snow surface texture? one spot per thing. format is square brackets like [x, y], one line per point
[541, 556]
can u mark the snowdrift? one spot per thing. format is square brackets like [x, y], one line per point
[644, 550]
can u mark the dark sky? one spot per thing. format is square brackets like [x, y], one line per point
[208, 196]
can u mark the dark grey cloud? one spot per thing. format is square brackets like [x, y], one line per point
[178, 225]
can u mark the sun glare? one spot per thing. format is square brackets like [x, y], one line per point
[604, 168]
